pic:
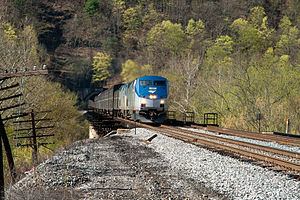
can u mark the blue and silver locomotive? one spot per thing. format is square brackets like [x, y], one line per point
[144, 99]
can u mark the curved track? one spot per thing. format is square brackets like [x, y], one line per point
[275, 157]
[252, 135]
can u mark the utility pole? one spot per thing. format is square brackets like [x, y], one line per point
[3, 136]
[1, 163]
[34, 144]
[4, 139]
[259, 117]
[32, 133]
[288, 126]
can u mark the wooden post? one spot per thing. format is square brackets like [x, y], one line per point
[34, 136]
[34, 143]
[259, 117]
[8, 152]
[4, 139]
[287, 126]
[1, 169]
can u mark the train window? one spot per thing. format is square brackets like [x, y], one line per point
[159, 83]
[145, 83]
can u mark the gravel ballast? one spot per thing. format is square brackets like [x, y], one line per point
[229, 176]
[259, 142]
[125, 167]
[116, 167]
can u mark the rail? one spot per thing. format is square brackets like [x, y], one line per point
[218, 143]
[252, 135]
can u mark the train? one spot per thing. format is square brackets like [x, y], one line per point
[143, 99]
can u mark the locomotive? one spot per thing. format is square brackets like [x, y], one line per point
[144, 100]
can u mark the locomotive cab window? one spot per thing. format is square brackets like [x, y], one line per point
[145, 83]
[160, 83]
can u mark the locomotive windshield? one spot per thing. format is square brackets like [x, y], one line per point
[145, 83]
[159, 83]
[154, 83]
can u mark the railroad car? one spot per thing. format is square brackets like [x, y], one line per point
[144, 99]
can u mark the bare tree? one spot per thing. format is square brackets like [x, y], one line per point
[185, 72]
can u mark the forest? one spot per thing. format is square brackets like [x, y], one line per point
[239, 59]
[236, 58]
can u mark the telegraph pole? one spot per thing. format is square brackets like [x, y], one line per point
[34, 143]
[3, 135]
[1, 161]
[33, 133]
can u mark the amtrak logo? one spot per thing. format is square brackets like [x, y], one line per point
[152, 89]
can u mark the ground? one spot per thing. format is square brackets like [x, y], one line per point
[116, 167]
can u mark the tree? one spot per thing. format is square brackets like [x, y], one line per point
[151, 18]
[118, 11]
[132, 20]
[91, 6]
[289, 40]
[52, 96]
[131, 70]
[101, 65]
[196, 35]
[19, 49]
[217, 75]
[253, 34]
[184, 73]
[195, 28]
[165, 40]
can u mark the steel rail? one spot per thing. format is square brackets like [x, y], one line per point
[243, 144]
[252, 135]
[257, 156]
[194, 139]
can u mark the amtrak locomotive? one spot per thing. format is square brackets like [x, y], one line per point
[144, 99]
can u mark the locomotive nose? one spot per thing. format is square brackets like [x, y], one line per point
[152, 114]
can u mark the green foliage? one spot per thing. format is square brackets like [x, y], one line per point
[29, 37]
[165, 39]
[132, 18]
[183, 74]
[270, 83]
[249, 38]
[289, 41]
[131, 70]
[132, 21]
[151, 18]
[52, 96]
[195, 28]
[19, 48]
[257, 16]
[285, 25]
[254, 35]
[218, 57]
[222, 48]
[9, 31]
[111, 44]
[91, 6]
[167, 36]
[19, 3]
[101, 65]
[236, 60]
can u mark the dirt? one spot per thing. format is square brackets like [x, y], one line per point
[117, 167]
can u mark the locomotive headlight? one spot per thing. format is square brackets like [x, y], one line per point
[152, 96]
[143, 101]
[162, 101]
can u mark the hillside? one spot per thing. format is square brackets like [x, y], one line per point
[237, 58]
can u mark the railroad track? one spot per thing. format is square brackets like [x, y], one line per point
[252, 135]
[274, 157]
